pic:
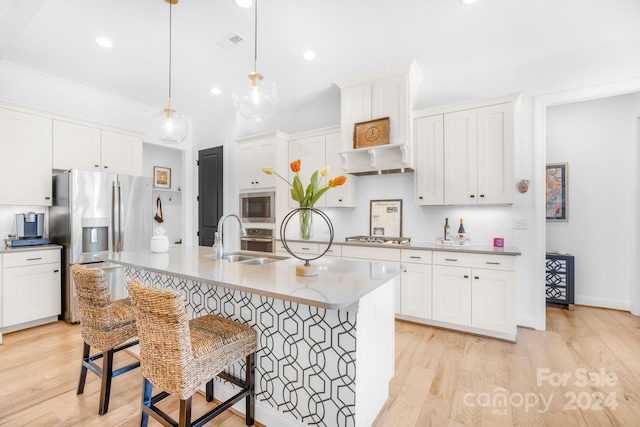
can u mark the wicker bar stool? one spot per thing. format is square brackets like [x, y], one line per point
[179, 355]
[105, 325]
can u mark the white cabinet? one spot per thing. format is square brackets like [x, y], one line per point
[311, 153]
[25, 163]
[345, 195]
[252, 157]
[476, 291]
[415, 284]
[452, 295]
[77, 146]
[429, 171]
[317, 149]
[391, 93]
[31, 287]
[121, 153]
[465, 153]
[478, 156]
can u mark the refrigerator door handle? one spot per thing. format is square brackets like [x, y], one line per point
[114, 221]
[121, 218]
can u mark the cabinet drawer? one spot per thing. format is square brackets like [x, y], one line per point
[303, 247]
[334, 250]
[21, 259]
[487, 261]
[369, 253]
[415, 256]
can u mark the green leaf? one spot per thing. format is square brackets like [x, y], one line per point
[319, 194]
[297, 192]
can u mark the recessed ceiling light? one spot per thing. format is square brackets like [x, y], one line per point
[243, 3]
[465, 2]
[104, 42]
[309, 55]
[215, 91]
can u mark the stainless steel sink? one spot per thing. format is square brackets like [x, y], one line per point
[249, 258]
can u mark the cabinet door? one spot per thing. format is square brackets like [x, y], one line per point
[389, 99]
[246, 166]
[75, 146]
[494, 300]
[495, 154]
[343, 196]
[460, 158]
[26, 160]
[355, 106]
[452, 295]
[429, 174]
[264, 156]
[416, 291]
[121, 153]
[30, 293]
[311, 152]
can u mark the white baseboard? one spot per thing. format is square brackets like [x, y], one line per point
[624, 305]
[528, 321]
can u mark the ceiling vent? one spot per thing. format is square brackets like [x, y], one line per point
[230, 41]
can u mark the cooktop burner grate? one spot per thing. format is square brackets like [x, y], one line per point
[379, 239]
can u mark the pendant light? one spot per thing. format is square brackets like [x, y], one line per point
[256, 102]
[169, 126]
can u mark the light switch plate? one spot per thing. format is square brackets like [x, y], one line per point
[520, 223]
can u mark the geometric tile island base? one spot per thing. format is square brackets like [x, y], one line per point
[314, 366]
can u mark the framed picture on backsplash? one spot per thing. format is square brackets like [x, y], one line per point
[385, 218]
[557, 191]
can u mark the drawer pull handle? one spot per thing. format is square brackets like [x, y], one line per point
[306, 249]
[451, 259]
[56, 270]
[33, 259]
[415, 257]
[466, 276]
[476, 277]
[493, 263]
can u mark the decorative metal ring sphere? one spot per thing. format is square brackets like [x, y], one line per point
[286, 220]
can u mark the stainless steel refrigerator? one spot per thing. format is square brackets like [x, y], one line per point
[94, 213]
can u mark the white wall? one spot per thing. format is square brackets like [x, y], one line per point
[597, 138]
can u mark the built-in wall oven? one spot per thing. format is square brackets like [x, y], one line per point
[258, 207]
[257, 239]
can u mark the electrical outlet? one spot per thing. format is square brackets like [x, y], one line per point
[520, 223]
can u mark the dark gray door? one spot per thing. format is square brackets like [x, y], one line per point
[210, 179]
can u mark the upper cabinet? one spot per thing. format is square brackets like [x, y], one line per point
[25, 164]
[391, 94]
[317, 149]
[77, 146]
[255, 153]
[465, 156]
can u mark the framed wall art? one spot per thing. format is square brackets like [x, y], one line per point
[161, 177]
[371, 133]
[557, 192]
[386, 218]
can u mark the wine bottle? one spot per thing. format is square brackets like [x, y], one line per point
[447, 232]
[461, 228]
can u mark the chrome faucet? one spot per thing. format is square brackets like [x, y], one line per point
[219, 236]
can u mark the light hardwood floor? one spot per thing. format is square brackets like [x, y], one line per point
[583, 371]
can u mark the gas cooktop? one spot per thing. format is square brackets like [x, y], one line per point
[379, 239]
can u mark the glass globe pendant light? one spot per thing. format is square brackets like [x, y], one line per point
[258, 101]
[167, 125]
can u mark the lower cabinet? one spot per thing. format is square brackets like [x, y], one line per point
[452, 295]
[476, 292]
[415, 284]
[31, 287]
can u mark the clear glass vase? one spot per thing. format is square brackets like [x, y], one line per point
[306, 224]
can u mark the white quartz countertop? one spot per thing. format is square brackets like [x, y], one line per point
[11, 249]
[340, 284]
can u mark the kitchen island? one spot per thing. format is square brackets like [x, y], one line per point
[325, 343]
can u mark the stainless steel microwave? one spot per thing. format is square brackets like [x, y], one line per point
[258, 207]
